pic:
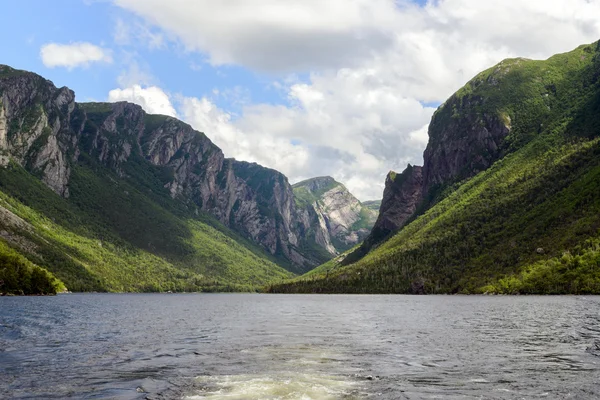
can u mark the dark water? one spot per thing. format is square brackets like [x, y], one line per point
[237, 346]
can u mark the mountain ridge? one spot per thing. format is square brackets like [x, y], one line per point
[158, 170]
[45, 130]
[506, 203]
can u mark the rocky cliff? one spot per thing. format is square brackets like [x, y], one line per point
[507, 201]
[496, 113]
[466, 136]
[462, 143]
[342, 220]
[34, 126]
[401, 196]
[44, 130]
[253, 200]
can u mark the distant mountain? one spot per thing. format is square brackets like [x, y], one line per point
[508, 199]
[108, 197]
[372, 205]
[343, 219]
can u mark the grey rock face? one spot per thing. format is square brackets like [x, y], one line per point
[4, 159]
[34, 125]
[257, 202]
[401, 196]
[460, 147]
[343, 221]
[45, 131]
[3, 132]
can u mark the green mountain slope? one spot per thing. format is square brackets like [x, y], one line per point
[530, 222]
[165, 207]
[372, 204]
[19, 276]
[111, 236]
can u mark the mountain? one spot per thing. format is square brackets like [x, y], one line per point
[401, 196]
[108, 197]
[373, 205]
[507, 199]
[343, 220]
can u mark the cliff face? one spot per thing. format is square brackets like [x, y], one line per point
[401, 197]
[462, 142]
[34, 126]
[467, 135]
[45, 131]
[342, 219]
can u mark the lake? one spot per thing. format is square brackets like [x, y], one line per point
[252, 346]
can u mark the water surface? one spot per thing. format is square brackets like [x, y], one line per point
[243, 346]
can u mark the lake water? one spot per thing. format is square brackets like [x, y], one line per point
[244, 346]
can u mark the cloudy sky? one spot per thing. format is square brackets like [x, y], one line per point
[309, 87]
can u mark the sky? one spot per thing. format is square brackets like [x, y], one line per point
[344, 88]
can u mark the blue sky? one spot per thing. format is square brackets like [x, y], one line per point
[33, 23]
[343, 88]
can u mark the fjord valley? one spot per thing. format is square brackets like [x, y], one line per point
[300, 200]
[508, 198]
[105, 197]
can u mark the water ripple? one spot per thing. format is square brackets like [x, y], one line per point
[299, 347]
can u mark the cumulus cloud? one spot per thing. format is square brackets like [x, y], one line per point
[295, 35]
[267, 149]
[373, 65]
[347, 125]
[73, 55]
[288, 35]
[152, 99]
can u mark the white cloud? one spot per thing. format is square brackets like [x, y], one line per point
[312, 34]
[73, 55]
[308, 33]
[152, 99]
[372, 65]
[348, 125]
[267, 149]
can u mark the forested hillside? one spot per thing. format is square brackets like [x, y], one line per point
[509, 200]
[108, 198]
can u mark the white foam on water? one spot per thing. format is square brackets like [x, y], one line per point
[479, 380]
[295, 386]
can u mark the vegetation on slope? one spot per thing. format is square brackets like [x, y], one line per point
[18, 276]
[110, 236]
[484, 231]
[304, 197]
[576, 271]
[528, 224]
[372, 204]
